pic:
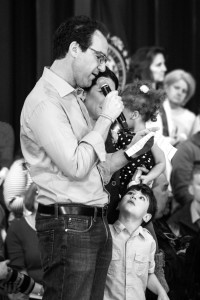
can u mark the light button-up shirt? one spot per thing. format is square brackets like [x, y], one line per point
[132, 261]
[61, 149]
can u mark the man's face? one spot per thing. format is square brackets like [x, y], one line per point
[88, 64]
[134, 203]
[161, 193]
[95, 99]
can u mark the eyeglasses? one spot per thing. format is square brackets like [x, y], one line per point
[102, 58]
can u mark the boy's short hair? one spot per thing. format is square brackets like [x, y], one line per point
[146, 191]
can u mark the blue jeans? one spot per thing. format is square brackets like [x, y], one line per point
[75, 252]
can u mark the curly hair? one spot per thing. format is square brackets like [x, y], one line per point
[79, 29]
[140, 63]
[147, 104]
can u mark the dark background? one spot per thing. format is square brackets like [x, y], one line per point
[26, 28]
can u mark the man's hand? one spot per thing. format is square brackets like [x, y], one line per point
[112, 105]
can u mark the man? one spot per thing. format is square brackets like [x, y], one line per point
[67, 160]
[186, 221]
[171, 257]
[182, 165]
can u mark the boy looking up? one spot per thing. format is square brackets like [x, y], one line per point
[132, 267]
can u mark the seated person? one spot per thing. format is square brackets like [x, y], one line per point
[186, 221]
[16, 184]
[182, 165]
[192, 263]
[180, 86]
[132, 266]
[22, 243]
[171, 256]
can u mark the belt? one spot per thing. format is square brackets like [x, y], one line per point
[71, 209]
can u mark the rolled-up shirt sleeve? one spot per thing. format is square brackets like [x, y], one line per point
[96, 141]
[104, 169]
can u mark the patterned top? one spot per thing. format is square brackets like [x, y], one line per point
[146, 159]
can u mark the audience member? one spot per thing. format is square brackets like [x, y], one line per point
[15, 186]
[22, 243]
[64, 153]
[6, 156]
[180, 87]
[148, 63]
[196, 126]
[192, 274]
[182, 166]
[171, 257]
[132, 266]
[6, 149]
[186, 221]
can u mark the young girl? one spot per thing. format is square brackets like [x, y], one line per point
[141, 103]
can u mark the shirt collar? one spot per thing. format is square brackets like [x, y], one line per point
[58, 83]
[119, 227]
[194, 214]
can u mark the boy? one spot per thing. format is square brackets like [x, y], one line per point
[132, 267]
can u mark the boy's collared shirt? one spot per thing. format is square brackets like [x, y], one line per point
[132, 261]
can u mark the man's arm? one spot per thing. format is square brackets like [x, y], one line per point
[119, 160]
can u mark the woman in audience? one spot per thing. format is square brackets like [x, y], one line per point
[148, 63]
[180, 87]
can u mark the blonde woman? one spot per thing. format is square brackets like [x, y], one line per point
[180, 87]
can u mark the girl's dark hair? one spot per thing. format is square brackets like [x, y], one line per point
[140, 63]
[147, 104]
[108, 74]
[79, 29]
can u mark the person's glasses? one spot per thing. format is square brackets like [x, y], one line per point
[102, 58]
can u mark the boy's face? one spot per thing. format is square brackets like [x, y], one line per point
[136, 204]
[194, 187]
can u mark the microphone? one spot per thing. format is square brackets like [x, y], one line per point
[106, 90]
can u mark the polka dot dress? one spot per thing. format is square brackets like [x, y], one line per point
[146, 159]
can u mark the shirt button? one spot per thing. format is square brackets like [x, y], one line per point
[114, 183]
